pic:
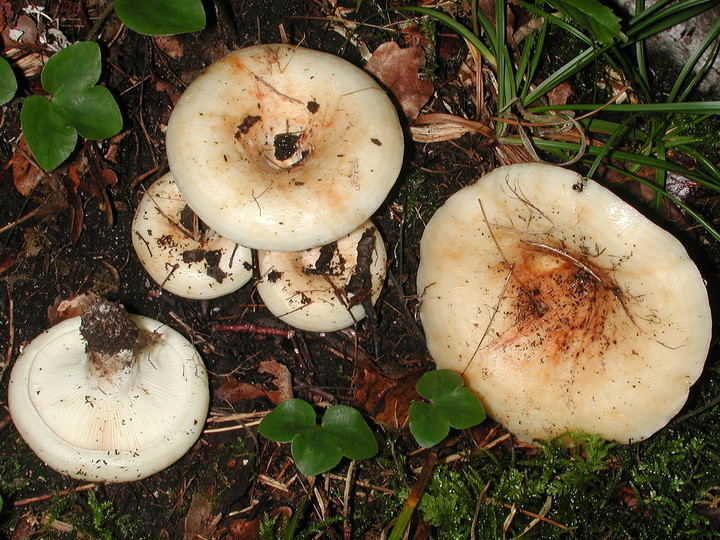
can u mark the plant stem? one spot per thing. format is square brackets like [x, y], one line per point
[101, 20]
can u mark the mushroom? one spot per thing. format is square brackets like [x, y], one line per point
[179, 252]
[284, 148]
[327, 288]
[109, 397]
[564, 307]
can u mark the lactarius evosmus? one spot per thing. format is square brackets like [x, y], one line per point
[284, 148]
[564, 307]
[327, 288]
[179, 252]
[109, 397]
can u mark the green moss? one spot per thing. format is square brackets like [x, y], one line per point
[421, 196]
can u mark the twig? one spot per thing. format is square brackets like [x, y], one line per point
[47, 496]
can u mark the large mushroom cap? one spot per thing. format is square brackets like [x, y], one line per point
[564, 307]
[284, 148]
[83, 432]
[179, 253]
[327, 288]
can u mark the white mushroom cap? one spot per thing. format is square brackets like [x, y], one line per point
[313, 289]
[284, 148]
[202, 265]
[126, 434]
[563, 306]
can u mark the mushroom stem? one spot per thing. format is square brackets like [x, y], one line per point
[112, 344]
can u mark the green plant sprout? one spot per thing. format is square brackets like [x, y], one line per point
[8, 82]
[318, 448]
[161, 17]
[452, 405]
[77, 106]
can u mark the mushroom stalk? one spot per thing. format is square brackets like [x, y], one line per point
[112, 343]
[109, 397]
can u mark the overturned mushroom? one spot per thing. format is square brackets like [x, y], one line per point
[109, 397]
[284, 148]
[327, 288]
[179, 252]
[563, 306]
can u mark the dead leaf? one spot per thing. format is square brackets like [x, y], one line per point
[69, 307]
[560, 94]
[399, 70]
[77, 213]
[277, 389]
[26, 175]
[200, 521]
[249, 529]
[387, 400]
[282, 380]
[170, 45]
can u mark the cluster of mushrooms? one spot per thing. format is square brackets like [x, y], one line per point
[273, 148]
[563, 307]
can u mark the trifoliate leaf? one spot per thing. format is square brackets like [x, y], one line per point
[318, 448]
[452, 405]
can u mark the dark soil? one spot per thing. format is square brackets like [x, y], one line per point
[70, 235]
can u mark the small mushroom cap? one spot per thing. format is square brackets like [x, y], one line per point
[563, 306]
[284, 148]
[81, 432]
[317, 289]
[201, 267]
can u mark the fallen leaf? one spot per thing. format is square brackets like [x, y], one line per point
[399, 70]
[277, 388]
[172, 46]
[77, 213]
[26, 175]
[249, 529]
[560, 94]
[387, 400]
[200, 520]
[69, 307]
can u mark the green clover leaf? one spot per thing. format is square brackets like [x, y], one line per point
[161, 17]
[77, 106]
[8, 82]
[452, 405]
[318, 448]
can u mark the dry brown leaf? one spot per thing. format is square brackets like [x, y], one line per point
[26, 175]
[241, 529]
[170, 45]
[560, 94]
[385, 399]
[399, 70]
[200, 521]
[277, 389]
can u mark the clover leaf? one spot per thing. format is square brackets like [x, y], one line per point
[318, 448]
[8, 82]
[77, 106]
[452, 405]
[161, 17]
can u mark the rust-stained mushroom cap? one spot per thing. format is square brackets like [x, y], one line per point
[284, 148]
[116, 425]
[324, 289]
[563, 306]
[182, 255]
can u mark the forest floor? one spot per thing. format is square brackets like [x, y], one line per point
[67, 232]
